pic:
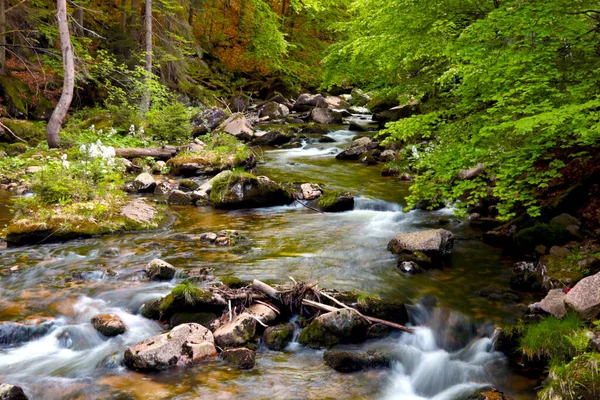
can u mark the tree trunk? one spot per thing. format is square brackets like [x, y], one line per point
[2, 37]
[134, 11]
[123, 22]
[146, 95]
[78, 18]
[191, 14]
[59, 113]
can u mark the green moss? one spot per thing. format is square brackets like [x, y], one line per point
[578, 379]
[549, 339]
[16, 91]
[546, 234]
[278, 337]
[232, 281]
[33, 132]
[187, 293]
[15, 149]
[329, 198]
[316, 337]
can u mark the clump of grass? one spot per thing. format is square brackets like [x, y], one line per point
[188, 293]
[578, 379]
[551, 339]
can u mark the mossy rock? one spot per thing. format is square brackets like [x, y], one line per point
[233, 282]
[187, 298]
[316, 337]
[15, 149]
[244, 190]
[33, 132]
[278, 337]
[548, 235]
[188, 185]
[16, 92]
[335, 201]
[555, 272]
[579, 379]
[345, 361]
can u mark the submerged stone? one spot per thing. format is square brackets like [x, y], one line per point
[345, 361]
[241, 358]
[279, 336]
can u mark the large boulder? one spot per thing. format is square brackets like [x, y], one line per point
[236, 332]
[333, 327]
[243, 190]
[359, 147]
[237, 125]
[325, 116]
[183, 345]
[144, 183]
[279, 336]
[14, 333]
[160, 270]
[307, 101]
[345, 361]
[207, 121]
[273, 110]
[11, 392]
[437, 244]
[109, 324]
[310, 191]
[564, 221]
[272, 138]
[335, 202]
[241, 358]
[336, 102]
[584, 297]
[553, 303]
[178, 197]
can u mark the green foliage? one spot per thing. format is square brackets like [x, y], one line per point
[170, 123]
[519, 97]
[577, 379]
[552, 338]
[188, 293]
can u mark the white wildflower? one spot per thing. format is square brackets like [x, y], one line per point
[132, 129]
[93, 128]
[65, 163]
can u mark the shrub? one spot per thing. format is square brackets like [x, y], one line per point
[170, 123]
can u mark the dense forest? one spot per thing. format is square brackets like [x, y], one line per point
[447, 138]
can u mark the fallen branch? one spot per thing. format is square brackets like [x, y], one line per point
[325, 307]
[309, 207]
[163, 153]
[11, 132]
[274, 293]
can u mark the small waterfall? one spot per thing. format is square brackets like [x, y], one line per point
[428, 368]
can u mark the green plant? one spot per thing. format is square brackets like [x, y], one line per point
[552, 338]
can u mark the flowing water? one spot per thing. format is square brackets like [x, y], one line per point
[450, 353]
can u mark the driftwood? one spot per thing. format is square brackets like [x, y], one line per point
[274, 293]
[162, 153]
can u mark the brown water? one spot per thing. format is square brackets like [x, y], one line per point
[74, 281]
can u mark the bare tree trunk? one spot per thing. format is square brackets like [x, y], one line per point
[146, 95]
[2, 37]
[191, 14]
[59, 113]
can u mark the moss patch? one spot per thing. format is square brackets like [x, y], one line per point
[579, 379]
[317, 337]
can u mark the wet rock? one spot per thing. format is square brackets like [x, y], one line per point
[241, 358]
[208, 237]
[378, 331]
[524, 277]
[13, 333]
[272, 138]
[111, 252]
[307, 101]
[437, 244]
[208, 120]
[237, 125]
[406, 177]
[279, 336]
[388, 155]
[559, 251]
[417, 257]
[487, 393]
[109, 324]
[359, 98]
[391, 170]
[356, 127]
[144, 183]
[179, 197]
[553, 303]
[336, 202]
[160, 270]
[584, 297]
[273, 110]
[11, 392]
[471, 173]
[363, 141]
[387, 309]
[325, 116]
[310, 191]
[409, 267]
[498, 293]
[564, 221]
[163, 188]
[237, 332]
[243, 190]
[327, 329]
[188, 185]
[158, 166]
[345, 361]
[183, 345]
